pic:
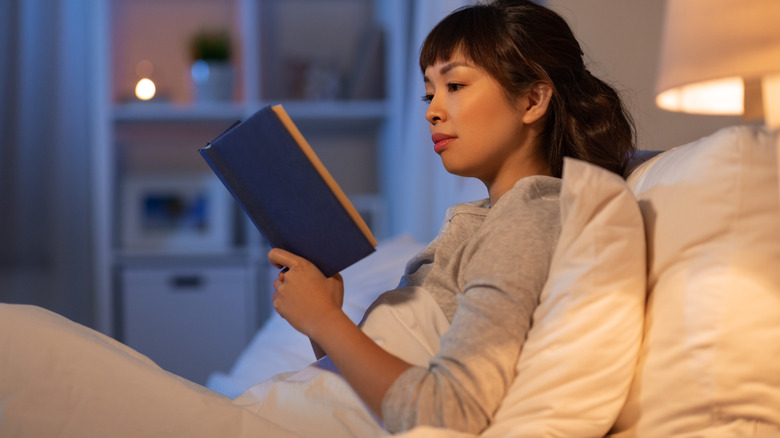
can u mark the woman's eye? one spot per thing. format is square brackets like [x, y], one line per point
[427, 98]
[454, 87]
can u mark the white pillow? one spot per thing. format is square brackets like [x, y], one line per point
[576, 366]
[709, 363]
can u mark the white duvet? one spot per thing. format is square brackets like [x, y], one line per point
[61, 379]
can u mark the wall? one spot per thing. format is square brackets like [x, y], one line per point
[622, 38]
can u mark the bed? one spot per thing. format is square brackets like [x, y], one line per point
[711, 214]
[659, 318]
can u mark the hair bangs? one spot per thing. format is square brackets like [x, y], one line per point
[440, 44]
[470, 30]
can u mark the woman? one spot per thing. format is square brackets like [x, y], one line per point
[508, 97]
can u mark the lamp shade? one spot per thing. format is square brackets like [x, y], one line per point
[712, 49]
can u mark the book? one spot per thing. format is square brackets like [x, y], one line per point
[280, 183]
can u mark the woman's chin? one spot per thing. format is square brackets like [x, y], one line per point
[457, 170]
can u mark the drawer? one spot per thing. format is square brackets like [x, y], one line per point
[191, 321]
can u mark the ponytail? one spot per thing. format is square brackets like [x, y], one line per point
[588, 121]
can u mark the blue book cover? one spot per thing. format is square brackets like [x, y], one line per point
[277, 179]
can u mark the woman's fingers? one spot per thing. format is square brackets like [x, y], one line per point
[283, 259]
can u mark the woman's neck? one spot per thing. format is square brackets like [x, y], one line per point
[509, 176]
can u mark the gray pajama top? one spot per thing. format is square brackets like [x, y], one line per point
[486, 270]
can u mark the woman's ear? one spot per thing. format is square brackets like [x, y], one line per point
[537, 100]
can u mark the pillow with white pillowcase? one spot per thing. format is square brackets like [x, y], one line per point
[579, 357]
[580, 354]
[709, 360]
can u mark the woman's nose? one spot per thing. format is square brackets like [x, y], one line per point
[435, 111]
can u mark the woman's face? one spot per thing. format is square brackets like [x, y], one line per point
[475, 129]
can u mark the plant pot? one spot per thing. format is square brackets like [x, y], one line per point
[212, 81]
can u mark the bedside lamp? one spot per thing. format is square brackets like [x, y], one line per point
[722, 57]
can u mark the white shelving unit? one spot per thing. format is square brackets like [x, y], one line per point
[155, 293]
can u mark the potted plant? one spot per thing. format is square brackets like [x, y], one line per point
[212, 72]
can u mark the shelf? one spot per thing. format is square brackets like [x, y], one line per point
[170, 112]
[298, 110]
[336, 110]
[287, 52]
[138, 257]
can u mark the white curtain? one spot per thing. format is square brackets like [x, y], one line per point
[421, 190]
[46, 113]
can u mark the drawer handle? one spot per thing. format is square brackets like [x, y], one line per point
[183, 282]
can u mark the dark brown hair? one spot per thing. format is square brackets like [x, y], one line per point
[519, 43]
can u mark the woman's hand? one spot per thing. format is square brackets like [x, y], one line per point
[303, 295]
[311, 303]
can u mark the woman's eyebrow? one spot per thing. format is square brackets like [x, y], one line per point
[452, 65]
[447, 68]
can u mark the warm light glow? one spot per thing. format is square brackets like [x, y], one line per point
[145, 89]
[723, 96]
[771, 97]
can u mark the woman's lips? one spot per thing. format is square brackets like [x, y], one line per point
[441, 141]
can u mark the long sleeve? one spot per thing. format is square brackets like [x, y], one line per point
[494, 269]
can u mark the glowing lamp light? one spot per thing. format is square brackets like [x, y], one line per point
[721, 57]
[145, 89]
[722, 96]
